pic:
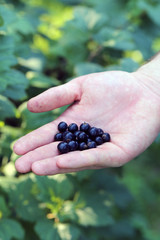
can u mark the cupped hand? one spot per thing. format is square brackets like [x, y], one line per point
[118, 102]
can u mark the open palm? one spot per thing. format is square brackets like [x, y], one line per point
[118, 102]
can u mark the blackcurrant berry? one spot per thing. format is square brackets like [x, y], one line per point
[89, 140]
[73, 145]
[84, 127]
[82, 137]
[82, 146]
[58, 137]
[76, 134]
[106, 137]
[93, 132]
[73, 127]
[100, 131]
[91, 145]
[62, 126]
[68, 137]
[63, 147]
[99, 140]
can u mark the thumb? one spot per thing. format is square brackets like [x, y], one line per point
[55, 97]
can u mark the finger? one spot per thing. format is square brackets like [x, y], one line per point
[39, 137]
[108, 155]
[49, 167]
[23, 164]
[80, 160]
[55, 97]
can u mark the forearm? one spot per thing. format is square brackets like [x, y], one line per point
[151, 70]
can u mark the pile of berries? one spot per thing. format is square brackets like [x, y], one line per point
[85, 137]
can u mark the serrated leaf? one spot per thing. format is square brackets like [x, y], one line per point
[54, 186]
[95, 212]
[24, 202]
[10, 229]
[68, 231]
[7, 108]
[46, 230]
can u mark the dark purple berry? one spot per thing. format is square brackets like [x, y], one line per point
[92, 145]
[89, 140]
[84, 127]
[100, 131]
[58, 137]
[99, 140]
[68, 137]
[106, 137]
[73, 145]
[76, 134]
[93, 132]
[73, 127]
[82, 137]
[62, 126]
[64, 133]
[63, 147]
[82, 146]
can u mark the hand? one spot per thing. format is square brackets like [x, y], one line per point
[118, 102]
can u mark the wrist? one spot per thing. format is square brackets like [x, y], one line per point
[150, 73]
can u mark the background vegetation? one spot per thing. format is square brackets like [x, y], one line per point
[44, 43]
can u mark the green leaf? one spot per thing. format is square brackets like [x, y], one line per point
[25, 204]
[115, 38]
[16, 83]
[7, 109]
[152, 10]
[7, 60]
[10, 229]
[39, 80]
[96, 211]
[68, 212]
[47, 230]
[87, 68]
[125, 64]
[53, 186]
[68, 231]
[34, 120]
[4, 210]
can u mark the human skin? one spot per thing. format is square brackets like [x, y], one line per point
[127, 105]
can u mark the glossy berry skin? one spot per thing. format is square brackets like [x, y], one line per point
[76, 134]
[62, 126]
[63, 147]
[89, 140]
[92, 145]
[98, 140]
[82, 137]
[58, 137]
[100, 131]
[73, 127]
[68, 137]
[93, 132]
[73, 145]
[106, 137]
[82, 146]
[84, 127]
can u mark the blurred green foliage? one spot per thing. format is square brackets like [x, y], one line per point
[44, 43]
